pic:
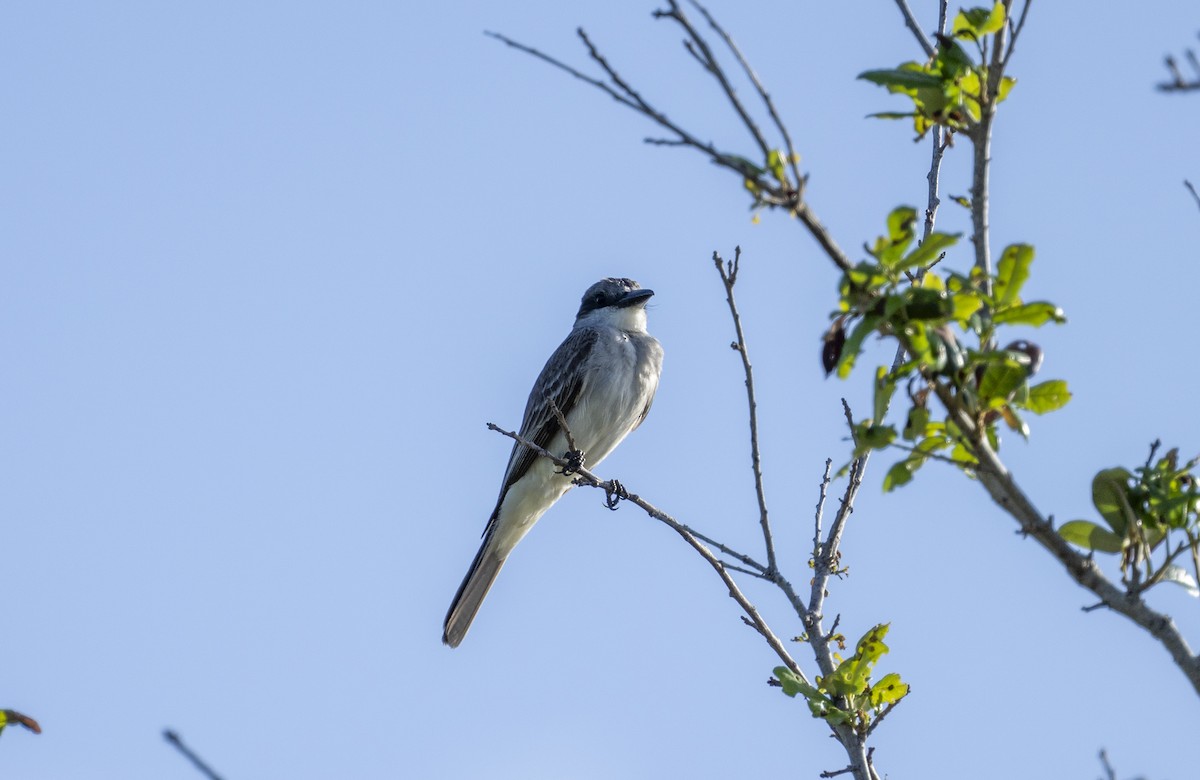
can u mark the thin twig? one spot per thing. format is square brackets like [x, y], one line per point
[821, 496]
[187, 752]
[1192, 190]
[935, 168]
[911, 21]
[564, 67]
[704, 55]
[770, 192]
[879, 718]
[941, 139]
[583, 476]
[1109, 772]
[1016, 33]
[729, 279]
[762, 93]
[739, 569]
[562, 423]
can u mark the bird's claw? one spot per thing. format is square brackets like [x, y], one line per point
[613, 494]
[574, 459]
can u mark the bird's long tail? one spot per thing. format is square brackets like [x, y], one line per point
[470, 594]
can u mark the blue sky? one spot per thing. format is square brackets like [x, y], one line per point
[268, 269]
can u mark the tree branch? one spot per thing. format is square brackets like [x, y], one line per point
[205, 769]
[768, 190]
[1003, 489]
[586, 477]
[762, 93]
[729, 279]
[911, 22]
[1178, 83]
[703, 54]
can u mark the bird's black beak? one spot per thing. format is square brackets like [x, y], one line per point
[634, 297]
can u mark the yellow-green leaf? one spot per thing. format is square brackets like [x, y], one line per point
[1011, 273]
[1047, 396]
[1090, 536]
[888, 690]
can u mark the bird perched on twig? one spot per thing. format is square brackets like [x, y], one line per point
[600, 382]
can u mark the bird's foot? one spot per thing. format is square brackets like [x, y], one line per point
[574, 459]
[613, 494]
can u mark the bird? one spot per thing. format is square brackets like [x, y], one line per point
[601, 380]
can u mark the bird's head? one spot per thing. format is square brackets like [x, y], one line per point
[614, 301]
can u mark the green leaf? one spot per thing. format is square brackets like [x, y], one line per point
[871, 645]
[928, 251]
[885, 388]
[775, 162]
[1035, 314]
[868, 436]
[1090, 536]
[914, 426]
[900, 474]
[792, 684]
[889, 690]
[1006, 85]
[963, 456]
[853, 344]
[1000, 379]
[952, 62]
[965, 304]
[978, 22]
[1047, 396]
[850, 677]
[893, 304]
[1011, 273]
[892, 115]
[925, 303]
[900, 224]
[900, 77]
[1110, 495]
[931, 281]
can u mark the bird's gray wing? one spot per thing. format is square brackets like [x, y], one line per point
[561, 380]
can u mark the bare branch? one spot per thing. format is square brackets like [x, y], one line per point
[1015, 32]
[769, 191]
[762, 93]
[586, 477]
[1192, 190]
[826, 564]
[821, 496]
[729, 279]
[187, 752]
[564, 67]
[911, 21]
[562, 422]
[740, 570]
[699, 49]
[941, 139]
[1178, 82]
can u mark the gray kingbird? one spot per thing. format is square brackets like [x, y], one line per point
[602, 379]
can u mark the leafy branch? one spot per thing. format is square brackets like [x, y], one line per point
[947, 325]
